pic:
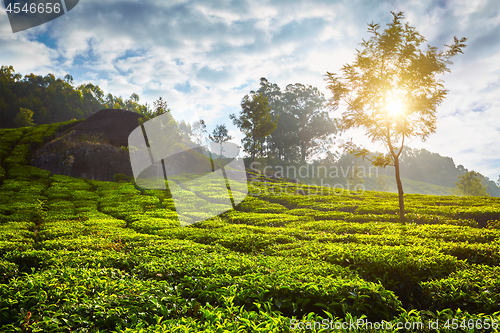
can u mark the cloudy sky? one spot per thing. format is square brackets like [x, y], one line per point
[204, 56]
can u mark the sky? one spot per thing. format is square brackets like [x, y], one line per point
[203, 57]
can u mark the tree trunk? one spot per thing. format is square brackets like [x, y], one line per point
[400, 192]
[253, 149]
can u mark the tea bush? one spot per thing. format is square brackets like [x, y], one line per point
[88, 256]
[475, 289]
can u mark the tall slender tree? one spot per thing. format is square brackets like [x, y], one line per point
[199, 131]
[254, 121]
[391, 90]
[220, 135]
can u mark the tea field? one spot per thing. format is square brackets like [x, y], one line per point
[80, 255]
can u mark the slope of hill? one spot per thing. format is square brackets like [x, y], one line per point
[341, 172]
[86, 255]
[425, 167]
[409, 186]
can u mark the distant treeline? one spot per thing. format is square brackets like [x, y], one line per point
[424, 166]
[52, 99]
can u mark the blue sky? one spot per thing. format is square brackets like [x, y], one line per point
[204, 56]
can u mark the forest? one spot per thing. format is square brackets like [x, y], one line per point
[51, 100]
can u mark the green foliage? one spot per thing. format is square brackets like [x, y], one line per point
[18, 156]
[392, 91]
[8, 270]
[470, 184]
[475, 289]
[87, 255]
[220, 135]
[47, 99]
[254, 121]
[24, 118]
[303, 127]
[159, 107]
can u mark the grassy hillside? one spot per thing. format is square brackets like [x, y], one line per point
[409, 186]
[88, 256]
[309, 175]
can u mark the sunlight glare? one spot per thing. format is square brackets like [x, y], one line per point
[395, 107]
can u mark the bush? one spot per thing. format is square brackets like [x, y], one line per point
[399, 268]
[493, 224]
[122, 178]
[8, 270]
[19, 156]
[28, 172]
[475, 289]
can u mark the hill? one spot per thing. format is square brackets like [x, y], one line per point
[424, 167]
[337, 173]
[87, 255]
[409, 186]
[51, 99]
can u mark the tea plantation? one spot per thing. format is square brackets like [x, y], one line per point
[79, 255]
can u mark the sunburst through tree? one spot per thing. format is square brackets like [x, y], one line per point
[391, 90]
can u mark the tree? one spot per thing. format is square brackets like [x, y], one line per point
[69, 79]
[282, 141]
[300, 109]
[312, 122]
[132, 104]
[391, 91]
[220, 135]
[185, 129]
[470, 184]
[254, 121]
[10, 73]
[159, 107]
[53, 99]
[199, 131]
[24, 118]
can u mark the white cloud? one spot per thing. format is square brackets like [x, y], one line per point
[195, 54]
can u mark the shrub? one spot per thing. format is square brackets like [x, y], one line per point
[122, 178]
[8, 270]
[19, 156]
[475, 289]
[28, 172]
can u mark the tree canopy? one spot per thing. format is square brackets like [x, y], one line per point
[24, 118]
[470, 184]
[254, 121]
[54, 99]
[303, 126]
[220, 135]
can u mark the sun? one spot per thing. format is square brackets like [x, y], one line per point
[395, 107]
